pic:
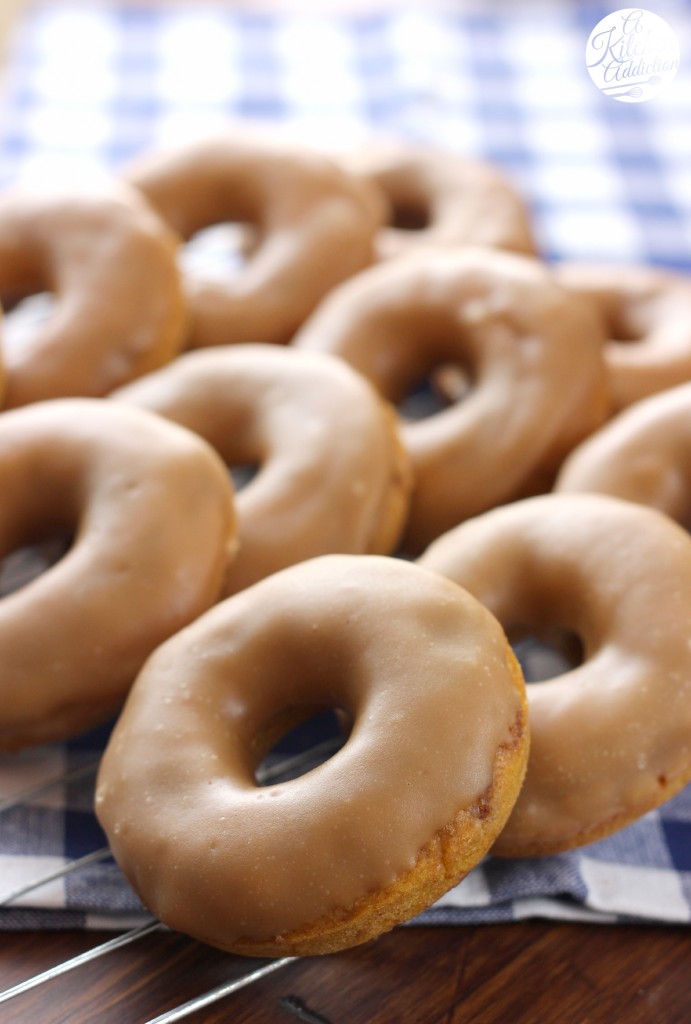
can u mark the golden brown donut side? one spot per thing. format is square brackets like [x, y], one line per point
[448, 200]
[533, 353]
[610, 739]
[647, 313]
[111, 264]
[3, 372]
[149, 508]
[424, 781]
[332, 473]
[314, 227]
[441, 864]
[641, 455]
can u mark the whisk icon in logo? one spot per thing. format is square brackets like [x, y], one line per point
[632, 55]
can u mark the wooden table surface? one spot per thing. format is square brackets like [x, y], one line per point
[522, 973]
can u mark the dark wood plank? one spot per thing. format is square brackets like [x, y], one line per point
[496, 974]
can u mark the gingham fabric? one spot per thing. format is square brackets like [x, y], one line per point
[90, 87]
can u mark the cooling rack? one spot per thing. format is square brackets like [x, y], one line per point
[18, 569]
[281, 769]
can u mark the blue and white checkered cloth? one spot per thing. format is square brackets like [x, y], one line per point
[91, 87]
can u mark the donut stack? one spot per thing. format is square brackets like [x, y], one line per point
[338, 477]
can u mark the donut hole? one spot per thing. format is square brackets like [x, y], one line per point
[243, 474]
[297, 741]
[24, 314]
[624, 327]
[444, 385]
[546, 652]
[407, 215]
[235, 441]
[452, 382]
[217, 251]
[23, 564]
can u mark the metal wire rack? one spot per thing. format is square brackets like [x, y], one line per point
[215, 250]
[537, 662]
[279, 770]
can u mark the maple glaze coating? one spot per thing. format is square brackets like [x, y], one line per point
[110, 263]
[532, 353]
[421, 787]
[642, 455]
[312, 224]
[610, 739]
[647, 317]
[150, 510]
[332, 474]
[446, 200]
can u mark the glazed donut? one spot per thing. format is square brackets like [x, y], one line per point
[150, 509]
[647, 313]
[642, 455]
[315, 227]
[333, 475]
[119, 308]
[534, 352]
[440, 198]
[610, 739]
[413, 799]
